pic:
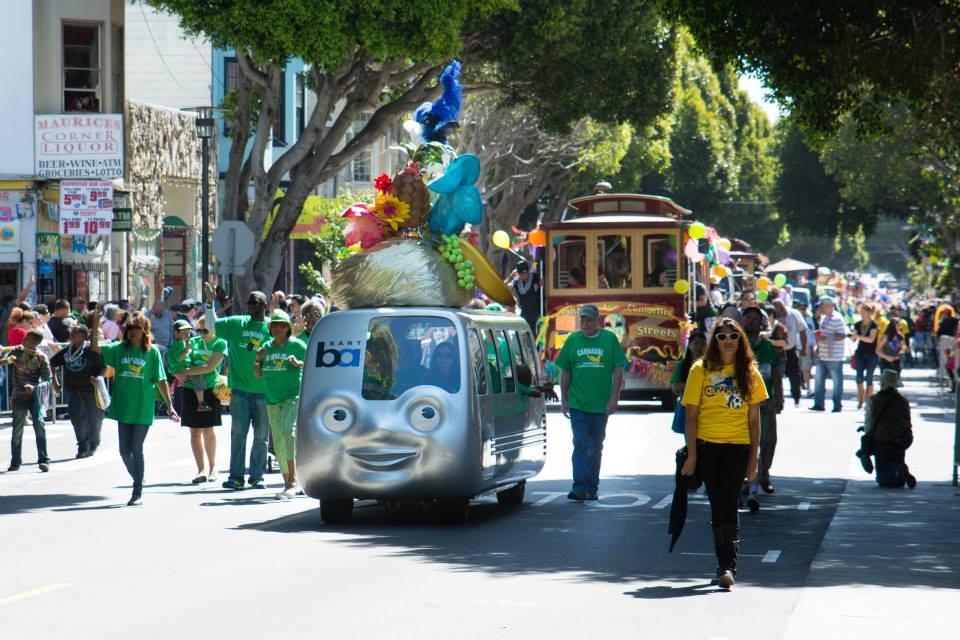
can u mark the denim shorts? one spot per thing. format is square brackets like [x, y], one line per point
[866, 365]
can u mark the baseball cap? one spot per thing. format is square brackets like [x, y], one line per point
[523, 267]
[180, 325]
[827, 300]
[279, 316]
[590, 311]
[189, 303]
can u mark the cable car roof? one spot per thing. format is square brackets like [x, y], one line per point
[627, 203]
[621, 221]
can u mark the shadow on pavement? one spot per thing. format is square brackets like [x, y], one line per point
[15, 504]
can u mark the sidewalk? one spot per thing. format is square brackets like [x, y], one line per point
[889, 564]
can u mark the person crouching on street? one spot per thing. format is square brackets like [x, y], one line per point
[280, 364]
[723, 396]
[887, 434]
[28, 369]
[591, 362]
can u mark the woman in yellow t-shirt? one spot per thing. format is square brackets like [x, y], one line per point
[722, 398]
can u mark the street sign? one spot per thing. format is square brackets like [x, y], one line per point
[233, 244]
[122, 219]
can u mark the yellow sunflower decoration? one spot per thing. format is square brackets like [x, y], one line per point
[391, 209]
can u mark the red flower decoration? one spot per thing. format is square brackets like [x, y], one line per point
[383, 184]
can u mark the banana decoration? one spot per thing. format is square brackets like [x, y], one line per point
[487, 278]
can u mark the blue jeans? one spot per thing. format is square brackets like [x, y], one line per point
[244, 409]
[866, 365]
[589, 431]
[833, 368]
[22, 408]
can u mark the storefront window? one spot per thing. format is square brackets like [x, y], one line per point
[613, 257]
[569, 262]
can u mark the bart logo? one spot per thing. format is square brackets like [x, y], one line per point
[337, 357]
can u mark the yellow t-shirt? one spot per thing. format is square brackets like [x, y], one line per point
[723, 411]
[882, 323]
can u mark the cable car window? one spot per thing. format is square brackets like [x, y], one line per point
[659, 261]
[569, 262]
[478, 359]
[613, 257]
[393, 351]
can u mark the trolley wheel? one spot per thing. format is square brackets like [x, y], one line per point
[668, 401]
[514, 495]
[336, 511]
[453, 510]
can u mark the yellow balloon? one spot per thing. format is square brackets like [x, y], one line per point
[697, 230]
[763, 283]
[681, 286]
[725, 244]
[501, 240]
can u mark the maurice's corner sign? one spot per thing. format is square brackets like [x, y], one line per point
[78, 145]
[86, 207]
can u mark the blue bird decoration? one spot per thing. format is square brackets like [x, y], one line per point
[437, 118]
[459, 201]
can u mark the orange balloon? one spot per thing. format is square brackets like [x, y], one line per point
[537, 238]
[720, 271]
[763, 283]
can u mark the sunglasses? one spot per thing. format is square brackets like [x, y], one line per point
[728, 336]
[204, 331]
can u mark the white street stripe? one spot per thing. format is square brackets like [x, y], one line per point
[772, 556]
[33, 592]
[666, 502]
[803, 506]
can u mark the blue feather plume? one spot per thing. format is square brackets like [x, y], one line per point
[436, 117]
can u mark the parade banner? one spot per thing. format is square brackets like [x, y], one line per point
[86, 208]
[78, 146]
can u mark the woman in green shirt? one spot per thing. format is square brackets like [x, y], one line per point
[280, 364]
[138, 373]
[198, 402]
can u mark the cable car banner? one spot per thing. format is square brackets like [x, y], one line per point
[643, 329]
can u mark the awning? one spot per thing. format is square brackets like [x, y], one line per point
[788, 265]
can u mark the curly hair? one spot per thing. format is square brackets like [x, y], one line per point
[138, 319]
[743, 361]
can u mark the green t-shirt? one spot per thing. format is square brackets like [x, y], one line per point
[677, 376]
[244, 338]
[174, 363]
[766, 354]
[282, 378]
[200, 352]
[137, 373]
[591, 362]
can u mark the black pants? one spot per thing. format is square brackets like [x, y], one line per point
[722, 467]
[131, 451]
[86, 418]
[793, 374]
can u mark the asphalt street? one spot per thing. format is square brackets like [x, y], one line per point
[828, 556]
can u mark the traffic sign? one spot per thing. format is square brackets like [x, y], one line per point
[233, 244]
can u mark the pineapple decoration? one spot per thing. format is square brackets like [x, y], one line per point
[408, 186]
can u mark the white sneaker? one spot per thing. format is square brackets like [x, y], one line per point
[289, 493]
[280, 496]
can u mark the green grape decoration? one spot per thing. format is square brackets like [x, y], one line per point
[452, 252]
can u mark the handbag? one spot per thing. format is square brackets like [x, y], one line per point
[679, 419]
[853, 361]
[101, 394]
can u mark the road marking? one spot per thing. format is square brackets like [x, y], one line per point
[550, 496]
[33, 592]
[818, 482]
[639, 499]
[803, 506]
[703, 553]
[772, 556]
[666, 502]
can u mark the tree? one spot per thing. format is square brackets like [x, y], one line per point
[520, 160]
[384, 56]
[825, 58]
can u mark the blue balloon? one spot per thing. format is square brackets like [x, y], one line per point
[459, 201]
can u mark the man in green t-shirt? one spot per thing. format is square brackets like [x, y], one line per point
[768, 361]
[245, 335]
[592, 363]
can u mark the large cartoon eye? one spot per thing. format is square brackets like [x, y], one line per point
[338, 418]
[425, 416]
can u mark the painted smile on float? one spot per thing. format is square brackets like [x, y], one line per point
[380, 458]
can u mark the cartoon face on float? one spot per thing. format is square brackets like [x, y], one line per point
[617, 324]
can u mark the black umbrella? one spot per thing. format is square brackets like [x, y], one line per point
[678, 510]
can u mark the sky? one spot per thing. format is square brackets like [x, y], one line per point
[758, 94]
